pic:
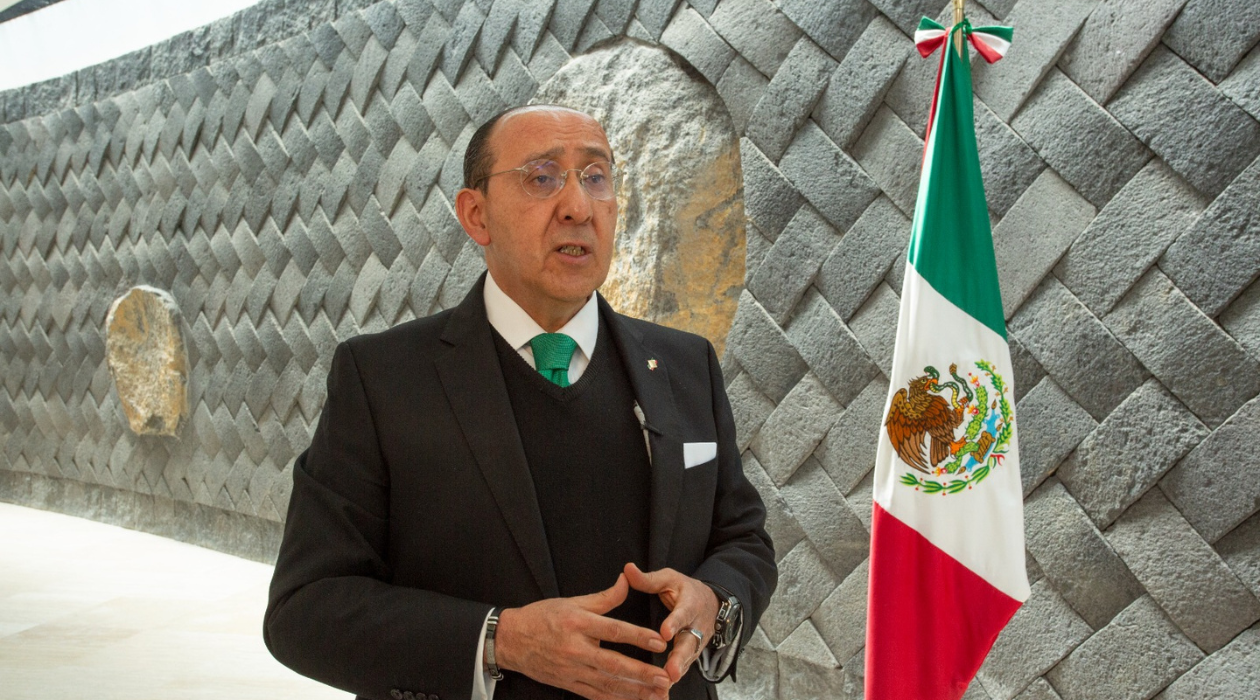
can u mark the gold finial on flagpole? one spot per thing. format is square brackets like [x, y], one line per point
[958, 18]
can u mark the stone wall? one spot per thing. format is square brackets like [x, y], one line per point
[286, 174]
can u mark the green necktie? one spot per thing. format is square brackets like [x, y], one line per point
[552, 353]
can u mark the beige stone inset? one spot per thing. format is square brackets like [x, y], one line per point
[679, 253]
[144, 346]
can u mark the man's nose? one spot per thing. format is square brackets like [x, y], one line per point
[574, 203]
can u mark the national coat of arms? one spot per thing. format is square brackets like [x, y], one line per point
[924, 413]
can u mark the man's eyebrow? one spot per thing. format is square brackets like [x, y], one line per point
[545, 155]
[552, 154]
[597, 153]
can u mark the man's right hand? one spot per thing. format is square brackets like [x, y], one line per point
[557, 642]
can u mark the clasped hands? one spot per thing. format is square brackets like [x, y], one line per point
[557, 641]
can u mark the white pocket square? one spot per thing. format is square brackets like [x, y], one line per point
[696, 453]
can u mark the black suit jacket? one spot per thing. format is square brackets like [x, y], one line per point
[413, 511]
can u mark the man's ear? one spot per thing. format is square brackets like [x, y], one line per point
[470, 207]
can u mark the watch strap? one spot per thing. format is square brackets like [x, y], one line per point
[492, 625]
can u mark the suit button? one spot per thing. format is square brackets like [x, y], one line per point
[396, 694]
[409, 695]
[433, 697]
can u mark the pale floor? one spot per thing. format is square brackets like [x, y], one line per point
[89, 610]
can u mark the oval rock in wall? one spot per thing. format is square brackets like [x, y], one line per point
[679, 253]
[145, 348]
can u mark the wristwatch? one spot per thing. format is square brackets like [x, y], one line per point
[726, 626]
[492, 626]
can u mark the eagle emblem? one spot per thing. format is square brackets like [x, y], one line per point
[924, 420]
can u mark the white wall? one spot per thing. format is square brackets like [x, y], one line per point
[74, 34]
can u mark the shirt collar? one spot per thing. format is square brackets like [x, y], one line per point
[518, 328]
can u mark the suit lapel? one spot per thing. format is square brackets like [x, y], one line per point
[473, 381]
[650, 381]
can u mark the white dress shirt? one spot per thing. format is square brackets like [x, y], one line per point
[518, 328]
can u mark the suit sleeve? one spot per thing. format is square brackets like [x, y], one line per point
[740, 555]
[333, 614]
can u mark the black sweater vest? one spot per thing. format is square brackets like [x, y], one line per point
[591, 472]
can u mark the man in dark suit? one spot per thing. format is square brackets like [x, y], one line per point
[530, 495]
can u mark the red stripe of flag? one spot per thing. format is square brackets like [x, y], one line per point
[936, 618]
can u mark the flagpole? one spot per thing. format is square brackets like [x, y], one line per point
[958, 18]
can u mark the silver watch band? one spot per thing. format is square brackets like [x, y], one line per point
[492, 625]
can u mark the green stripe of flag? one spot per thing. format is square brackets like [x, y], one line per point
[952, 244]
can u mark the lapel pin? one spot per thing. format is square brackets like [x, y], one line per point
[651, 364]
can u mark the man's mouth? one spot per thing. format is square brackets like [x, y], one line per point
[572, 250]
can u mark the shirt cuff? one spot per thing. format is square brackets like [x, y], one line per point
[715, 664]
[483, 684]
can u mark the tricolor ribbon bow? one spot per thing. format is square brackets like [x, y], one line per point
[990, 42]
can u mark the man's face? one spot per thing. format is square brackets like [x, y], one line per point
[547, 254]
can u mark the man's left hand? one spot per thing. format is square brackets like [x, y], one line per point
[692, 604]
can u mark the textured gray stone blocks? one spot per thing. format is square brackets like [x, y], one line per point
[1128, 235]
[807, 669]
[1005, 85]
[839, 535]
[875, 325]
[1007, 164]
[1036, 231]
[1079, 139]
[741, 87]
[830, 349]
[757, 30]
[1229, 234]
[804, 582]
[1182, 573]
[1051, 425]
[1213, 35]
[827, 177]
[493, 41]
[791, 263]
[459, 45]
[1039, 689]
[1241, 551]
[847, 453]
[794, 429]
[781, 524]
[769, 199]
[889, 152]
[763, 349]
[790, 96]
[759, 672]
[567, 19]
[1242, 319]
[1074, 556]
[695, 40]
[1136, 655]
[1076, 349]
[1214, 486]
[863, 78]
[1042, 631]
[841, 619]
[1183, 118]
[1115, 38]
[1198, 361]
[1243, 85]
[1234, 671]
[1141, 440]
[835, 26]
[863, 256]
[905, 14]
[750, 406]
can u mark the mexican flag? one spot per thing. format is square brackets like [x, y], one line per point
[947, 537]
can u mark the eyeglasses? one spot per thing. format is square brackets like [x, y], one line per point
[544, 178]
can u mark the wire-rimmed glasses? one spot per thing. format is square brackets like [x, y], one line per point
[544, 178]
